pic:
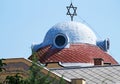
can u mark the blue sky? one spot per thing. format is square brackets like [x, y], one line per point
[23, 22]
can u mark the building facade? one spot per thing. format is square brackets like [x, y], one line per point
[72, 50]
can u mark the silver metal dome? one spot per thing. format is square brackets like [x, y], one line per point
[71, 32]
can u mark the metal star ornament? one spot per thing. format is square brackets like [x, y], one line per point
[69, 8]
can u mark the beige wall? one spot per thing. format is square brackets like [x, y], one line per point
[78, 81]
[21, 65]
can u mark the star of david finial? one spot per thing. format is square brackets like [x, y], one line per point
[69, 8]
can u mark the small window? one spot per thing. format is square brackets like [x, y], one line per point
[60, 40]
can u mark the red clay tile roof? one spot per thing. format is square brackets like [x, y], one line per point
[83, 53]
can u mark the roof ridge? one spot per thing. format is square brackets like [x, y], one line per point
[77, 67]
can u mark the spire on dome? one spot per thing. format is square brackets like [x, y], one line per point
[69, 8]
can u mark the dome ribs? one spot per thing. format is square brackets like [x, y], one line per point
[82, 53]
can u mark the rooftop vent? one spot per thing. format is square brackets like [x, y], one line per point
[98, 61]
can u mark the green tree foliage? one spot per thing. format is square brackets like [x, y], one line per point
[35, 76]
[14, 79]
[1, 65]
